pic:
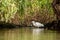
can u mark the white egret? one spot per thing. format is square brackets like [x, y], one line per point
[37, 24]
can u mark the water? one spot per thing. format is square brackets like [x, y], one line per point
[28, 34]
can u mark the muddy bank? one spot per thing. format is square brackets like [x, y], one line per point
[54, 25]
[8, 25]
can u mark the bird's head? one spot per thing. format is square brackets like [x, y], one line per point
[33, 21]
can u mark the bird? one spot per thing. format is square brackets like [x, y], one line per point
[37, 24]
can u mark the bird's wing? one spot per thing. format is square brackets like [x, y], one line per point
[39, 24]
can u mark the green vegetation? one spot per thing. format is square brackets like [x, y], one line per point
[27, 10]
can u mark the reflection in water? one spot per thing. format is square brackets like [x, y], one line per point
[37, 31]
[58, 36]
[28, 34]
[12, 35]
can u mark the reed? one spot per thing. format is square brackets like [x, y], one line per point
[8, 9]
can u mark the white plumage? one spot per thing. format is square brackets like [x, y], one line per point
[37, 24]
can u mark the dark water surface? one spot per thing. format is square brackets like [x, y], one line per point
[28, 34]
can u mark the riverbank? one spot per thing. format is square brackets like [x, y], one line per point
[49, 26]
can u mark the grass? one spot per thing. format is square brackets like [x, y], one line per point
[27, 10]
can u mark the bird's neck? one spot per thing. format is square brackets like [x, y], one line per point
[34, 23]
